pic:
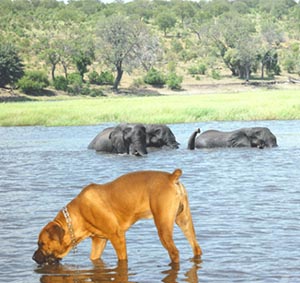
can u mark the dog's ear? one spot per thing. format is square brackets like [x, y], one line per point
[175, 175]
[55, 232]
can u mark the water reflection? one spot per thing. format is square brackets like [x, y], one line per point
[102, 272]
[99, 273]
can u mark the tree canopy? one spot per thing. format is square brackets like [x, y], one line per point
[245, 37]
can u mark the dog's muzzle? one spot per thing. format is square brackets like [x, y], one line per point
[42, 259]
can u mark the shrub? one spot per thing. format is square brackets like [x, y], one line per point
[60, 83]
[33, 82]
[154, 77]
[197, 70]
[75, 84]
[174, 81]
[105, 78]
[215, 75]
[139, 82]
[93, 77]
[96, 92]
[11, 67]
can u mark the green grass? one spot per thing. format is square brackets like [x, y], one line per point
[259, 105]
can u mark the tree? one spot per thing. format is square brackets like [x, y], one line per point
[231, 36]
[121, 44]
[166, 21]
[271, 38]
[53, 58]
[83, 58]
[11, 66]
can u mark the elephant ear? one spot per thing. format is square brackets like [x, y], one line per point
[114, 132]
[239, 139]
[127, 133]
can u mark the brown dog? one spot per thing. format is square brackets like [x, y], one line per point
[105, 212]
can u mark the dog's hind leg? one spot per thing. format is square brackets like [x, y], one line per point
[185, 222]
[98, 246]
[164, 217]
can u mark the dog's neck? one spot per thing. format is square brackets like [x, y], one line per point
[70, 228]
[72, 239]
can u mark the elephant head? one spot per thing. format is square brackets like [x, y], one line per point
[159, 136]
[261, 137]
[135, 137]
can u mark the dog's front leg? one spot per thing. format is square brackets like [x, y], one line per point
[98, 246]
[118, 241]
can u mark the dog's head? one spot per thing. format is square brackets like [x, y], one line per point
[51, 245]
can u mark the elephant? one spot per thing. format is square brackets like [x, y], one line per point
[121, 139]
[259, 137]
[159, 135]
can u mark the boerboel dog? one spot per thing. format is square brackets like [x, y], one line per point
[106, 211]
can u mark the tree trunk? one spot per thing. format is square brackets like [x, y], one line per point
[65, 67]
[53, 71]
[118, 78]
[247, 72]
[262, 70]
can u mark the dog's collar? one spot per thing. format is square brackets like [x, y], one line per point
[70, 228]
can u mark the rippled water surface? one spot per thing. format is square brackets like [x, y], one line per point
[245, 205]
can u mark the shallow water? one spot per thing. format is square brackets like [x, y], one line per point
[245, 205]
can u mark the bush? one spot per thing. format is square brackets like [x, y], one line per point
[174, 81]
[154, 77]
[33, 82]
[96, 92]
[11, 67]
[197, 70]
[215, 75]
[75, 84]
[93, 77]
[60, 83]
[139, 82]
[105, 78]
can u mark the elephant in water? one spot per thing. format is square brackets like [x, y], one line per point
[160, 136]
[259, 137]
[121, 139]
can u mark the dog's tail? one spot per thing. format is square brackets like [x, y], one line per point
[176, 175]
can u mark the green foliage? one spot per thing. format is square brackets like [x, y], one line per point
[82, 59]
[75, 84]
[237, 34]
[174, 81]
[33, 82]
[215, 74]
[165, 21]
[60, 83]
[104, 78]
[198, 69]
[93, 77]
[154, 77]
[11, 67]
[291, 59]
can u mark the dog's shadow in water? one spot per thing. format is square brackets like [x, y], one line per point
[102, 273]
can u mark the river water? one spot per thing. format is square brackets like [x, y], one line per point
[245, 205]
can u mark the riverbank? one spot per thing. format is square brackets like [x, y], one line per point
[262, 104]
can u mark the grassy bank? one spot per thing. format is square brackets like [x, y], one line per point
[260, 105]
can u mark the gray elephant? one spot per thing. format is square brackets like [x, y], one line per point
[121, 139]
[259, 137]
[160, 136]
